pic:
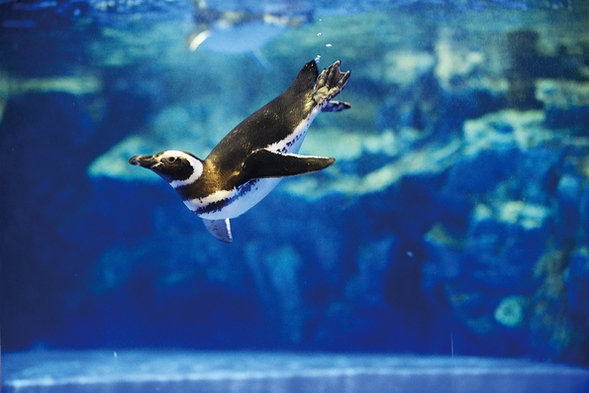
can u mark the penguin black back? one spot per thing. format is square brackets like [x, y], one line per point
[274, 121]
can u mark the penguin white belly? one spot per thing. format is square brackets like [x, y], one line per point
[241, 199]
[248, 195]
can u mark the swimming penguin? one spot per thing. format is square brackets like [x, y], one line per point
[235, 31]
[250, 161]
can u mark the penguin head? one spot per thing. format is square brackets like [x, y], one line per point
[177, 167]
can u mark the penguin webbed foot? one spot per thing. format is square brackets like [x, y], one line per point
[330, 83]
[221, 229]
[336, 106]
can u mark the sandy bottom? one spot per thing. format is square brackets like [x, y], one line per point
[251, 372]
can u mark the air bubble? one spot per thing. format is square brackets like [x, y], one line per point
[319, 34]
[328, 45]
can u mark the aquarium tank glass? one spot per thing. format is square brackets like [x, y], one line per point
[431, 233]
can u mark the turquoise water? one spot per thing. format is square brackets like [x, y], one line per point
[452, 223]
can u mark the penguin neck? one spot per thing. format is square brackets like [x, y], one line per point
[197, 170]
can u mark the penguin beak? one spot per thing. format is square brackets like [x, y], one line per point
[143, 161]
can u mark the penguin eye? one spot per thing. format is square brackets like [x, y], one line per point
[171, 159]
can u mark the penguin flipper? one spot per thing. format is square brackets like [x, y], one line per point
[264, 163]
[221, 229]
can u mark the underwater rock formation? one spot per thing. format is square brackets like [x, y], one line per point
[523, 73]
[510, 247]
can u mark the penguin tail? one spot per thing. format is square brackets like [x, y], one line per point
[305, 79]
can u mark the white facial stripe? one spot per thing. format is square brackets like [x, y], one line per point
[194, 163]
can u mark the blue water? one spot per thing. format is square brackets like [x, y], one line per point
[453, 222]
